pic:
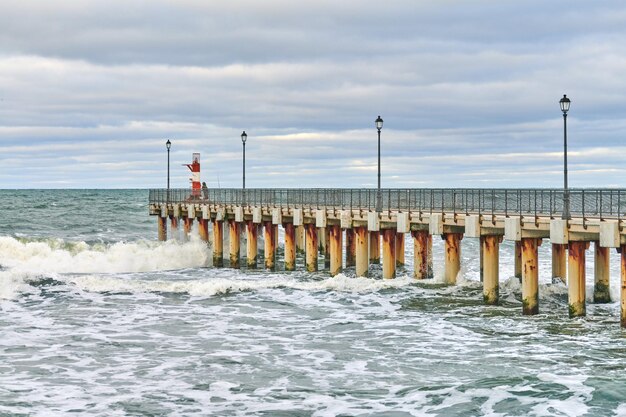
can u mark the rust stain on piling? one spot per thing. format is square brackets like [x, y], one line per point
[530, 276]
[311, 247]
[420, 254]
[252, 242]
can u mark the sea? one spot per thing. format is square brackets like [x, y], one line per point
[98, 318]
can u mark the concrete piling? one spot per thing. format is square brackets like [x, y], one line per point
[481, 257]
[311, 247]
[576, 278]
[491, 268]
[601, 288]
[218, 243]
[431, 272]
[452, 262]
[389, 253]
[399, 249]
[290, 246]
[162, 228]
[326, 232]
[420, 254]
[234, 243]
[350, 248]
[336, 243]
[361, 250]
[518, 260]
[300, 239]
[174, 226]
[187, 225]
[622, 251]
[374, 247]
[252, 242]
[203, 229]
[559, 262]
[530, 275]
[270, 246]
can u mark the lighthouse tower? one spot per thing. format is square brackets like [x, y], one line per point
[194, 167]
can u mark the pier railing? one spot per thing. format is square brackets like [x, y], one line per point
[585, 203]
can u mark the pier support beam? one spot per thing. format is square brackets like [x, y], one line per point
[336, 244]
[374, 247]
[290, 246]
[187, 225]
[389, 253]
[530, 275]
[162, 226]
[311, 247]
[321, 240]
[270, 245]
[601, 288]
[481, 257]
[559, 262]
[233, 240]
[431, 272]
[420, 254]
[518, 260]
[399, 249]
[622, 251]
[203, 229]
[452, 261]
[491, 268]
[174, 226]
[218, 243]
[300, 239]
[326, 232]
[576, 278]
[362, 253]
[350, 248]
[252, 242]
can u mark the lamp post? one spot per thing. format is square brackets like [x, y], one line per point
[379, 199]
[244, 137]
[168, 145]
[565, 102]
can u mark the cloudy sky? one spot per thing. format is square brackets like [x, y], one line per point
[469, 90]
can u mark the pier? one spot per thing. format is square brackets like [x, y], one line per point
[317, 221]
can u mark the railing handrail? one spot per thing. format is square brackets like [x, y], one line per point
[584, 202]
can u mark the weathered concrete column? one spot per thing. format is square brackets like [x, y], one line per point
[481, 257]
[335, 249]
[162, 227]
[576, 278]
[270, 245]
[311, 247]
[174, 226]
[622, 250]
[420, 253]
[374, 247]
[362, 252]
[187, 225]
[252, 242]
[399, 249]
[601, 289]
[491, 265]
[518, 260]
[350, 248]
[389, 253]
[452, 256]
[431, 271]
[530, 275]
[300, 239]
[326, 247]
[218, 243]
[321, 240]
[290, 246]
[559, 262]
[233, 232]
[203, 229]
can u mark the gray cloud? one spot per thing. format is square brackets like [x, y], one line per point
[468, 91]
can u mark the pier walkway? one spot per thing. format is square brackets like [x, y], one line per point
[315, 221]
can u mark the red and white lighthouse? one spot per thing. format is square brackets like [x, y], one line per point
[194, 167]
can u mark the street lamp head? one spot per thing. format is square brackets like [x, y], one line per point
[564, 102]
[379, 123]
[168, 144]
[244, 137]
